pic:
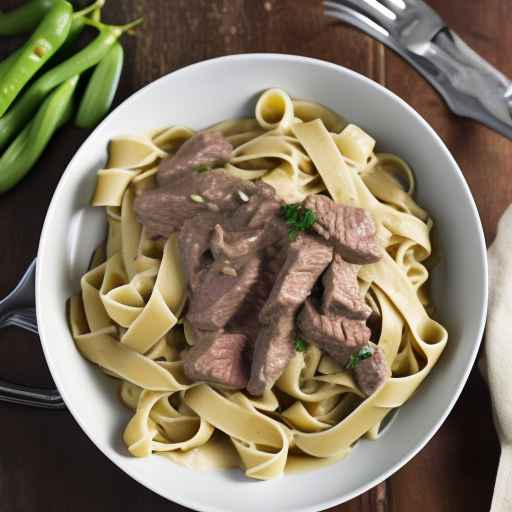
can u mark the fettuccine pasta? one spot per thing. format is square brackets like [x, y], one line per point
[128, 317]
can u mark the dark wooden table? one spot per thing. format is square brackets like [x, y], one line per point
[46, 462]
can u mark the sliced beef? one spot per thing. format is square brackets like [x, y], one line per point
[221, 294]
[219, 359]
[235, 244]
[341, 291]
[246, 319]
[223, 189]
[336, 335]
[206, 148]
[268, 210]
[194, 242]
[373, 372]
[350, 230]
[162, 212]
[308, 256]
[273, 350]
[252, 214]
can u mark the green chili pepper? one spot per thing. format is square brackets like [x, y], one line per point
[76, 28]
[6, 63]
[31, 142]
[25, 18]
[48, 37]
[11, 123]
[101, 89]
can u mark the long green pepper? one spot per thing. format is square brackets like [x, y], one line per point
[101, 89]
[25, 18]
[12, 122]
[6, 63]
[76, 28]
[44, 42]
[26, 149]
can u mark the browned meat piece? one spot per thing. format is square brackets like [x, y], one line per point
[338, 336]
[350, 230]
[205, 148]
[267, 211]
[272, 353]
[235, 244]
[164, 210]
[251, 214]
[223, 189]
[194, 241]
[246, 318]
[161, 212]
[219, 359]
[308, 256]
[341, 291]
[373, 372]
[220, 295]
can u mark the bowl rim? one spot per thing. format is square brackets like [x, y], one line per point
[468, 197]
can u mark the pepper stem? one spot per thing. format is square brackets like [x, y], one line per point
[119, 29]
[95, 6]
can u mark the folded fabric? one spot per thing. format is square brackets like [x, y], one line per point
[498, 353]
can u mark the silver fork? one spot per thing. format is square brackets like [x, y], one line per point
[17, 309]
[470, 86]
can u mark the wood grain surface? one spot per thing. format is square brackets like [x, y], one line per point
[46, 462]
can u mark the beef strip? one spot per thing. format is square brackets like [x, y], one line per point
[246, 318]
[373, 372]
[336, 335]
[205, 148]
[268, 209]
[307, 258]
[341, 291]
[223, 189]
[273, 350]
[251, 214]
[220, 295]
[219, 358]
[235, 244]
[164, 210]
[350, 230]
[194, 241]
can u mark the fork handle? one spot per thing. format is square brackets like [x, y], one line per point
[469, 84]
[18, 310]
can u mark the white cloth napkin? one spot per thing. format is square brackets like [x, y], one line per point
[498, 354]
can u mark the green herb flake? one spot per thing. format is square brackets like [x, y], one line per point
[298, 219]
[363, 353]
[300, 345]
[202, 168]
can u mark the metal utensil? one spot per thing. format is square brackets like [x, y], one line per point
[18, 310]
[469, 84]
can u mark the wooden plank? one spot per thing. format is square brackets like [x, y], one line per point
[47, 462]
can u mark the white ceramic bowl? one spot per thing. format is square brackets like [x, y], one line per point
[201, 95]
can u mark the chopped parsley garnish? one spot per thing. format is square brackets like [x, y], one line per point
[202, 168]
[363, 353]
[298, 218]
[300, 345]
